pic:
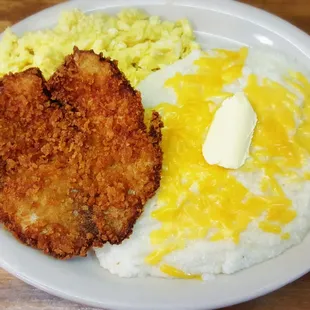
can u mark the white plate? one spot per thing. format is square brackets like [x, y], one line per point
[82, 280]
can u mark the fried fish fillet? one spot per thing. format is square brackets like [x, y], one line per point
[122, 158]
[76, 172]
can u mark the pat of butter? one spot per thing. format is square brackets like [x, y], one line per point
[229, 137]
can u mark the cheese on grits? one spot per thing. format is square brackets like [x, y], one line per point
[206, 219]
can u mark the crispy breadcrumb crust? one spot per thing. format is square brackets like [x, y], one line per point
[75, 171]
[124, 160]
[35, 198]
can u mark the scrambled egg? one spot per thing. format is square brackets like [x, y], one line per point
[139, 42]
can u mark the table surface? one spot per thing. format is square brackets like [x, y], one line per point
[15, 295]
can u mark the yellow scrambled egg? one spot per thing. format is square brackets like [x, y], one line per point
[139, 42]
[197, 200]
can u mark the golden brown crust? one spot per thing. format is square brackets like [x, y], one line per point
[124, 160]
[35, 199]
[75, 173]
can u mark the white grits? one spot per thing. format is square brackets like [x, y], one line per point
[202, 256]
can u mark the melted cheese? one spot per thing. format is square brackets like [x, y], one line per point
[176, 273]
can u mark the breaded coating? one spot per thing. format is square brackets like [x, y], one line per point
[122, 159]
[77, 162]
[36, 199]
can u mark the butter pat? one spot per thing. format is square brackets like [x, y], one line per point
[229, 137]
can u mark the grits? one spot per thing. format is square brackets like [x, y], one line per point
[265, 234]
